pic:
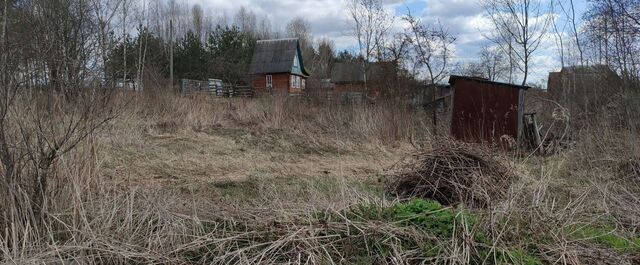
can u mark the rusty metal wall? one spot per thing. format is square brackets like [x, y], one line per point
[483, 111]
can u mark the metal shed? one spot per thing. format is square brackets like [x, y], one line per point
[484, 111]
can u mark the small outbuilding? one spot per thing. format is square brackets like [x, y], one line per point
[277, 67]
[584, 89]
[485, 111]
[350, 77]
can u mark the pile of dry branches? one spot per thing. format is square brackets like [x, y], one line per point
[452, 173]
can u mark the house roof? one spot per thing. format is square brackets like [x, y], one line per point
[588, 70]
[275, 56]
[585, 76]
[352, 72]
[454, 78]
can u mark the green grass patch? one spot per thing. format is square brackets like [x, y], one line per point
[608, 237]
[427, 215]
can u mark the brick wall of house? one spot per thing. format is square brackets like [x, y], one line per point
[280, 82]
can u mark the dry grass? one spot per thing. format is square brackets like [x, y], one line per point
[178, 180]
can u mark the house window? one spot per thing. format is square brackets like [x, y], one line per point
[295, 81]
[269, 81]
[304, 83]
[296, 61]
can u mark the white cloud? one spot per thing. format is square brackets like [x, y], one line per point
[329, 18]
[452, 8]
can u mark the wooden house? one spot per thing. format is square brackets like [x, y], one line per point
[277, 67]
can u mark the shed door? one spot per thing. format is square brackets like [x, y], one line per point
[484, 112]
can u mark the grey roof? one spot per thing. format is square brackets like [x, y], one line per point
[274, 56]
[352, 72]
[593, 72]
[454, 78]
[587, 69]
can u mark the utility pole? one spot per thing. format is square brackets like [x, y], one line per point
[171, 53]
[4, 29]
[434, 107]
[124, 45]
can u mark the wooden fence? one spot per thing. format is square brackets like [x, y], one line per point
[214, 87]
[338, 97]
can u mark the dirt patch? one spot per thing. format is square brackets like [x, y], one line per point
[452, 173]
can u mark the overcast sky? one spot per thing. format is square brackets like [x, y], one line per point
[329, 18]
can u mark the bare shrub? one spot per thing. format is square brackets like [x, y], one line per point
[37, 131]
[453, 173]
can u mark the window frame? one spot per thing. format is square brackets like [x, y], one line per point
[269, 81]
[296, 61]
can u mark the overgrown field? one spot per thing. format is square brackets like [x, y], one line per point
[175, 180]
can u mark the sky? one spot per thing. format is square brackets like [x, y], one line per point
[329, 18]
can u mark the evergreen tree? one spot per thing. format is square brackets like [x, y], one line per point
[154, 56]
[191, 58]
[231, 51]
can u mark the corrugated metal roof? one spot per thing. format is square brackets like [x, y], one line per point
[347, 72]
[588, 69]
[275, 56]
[454, 78]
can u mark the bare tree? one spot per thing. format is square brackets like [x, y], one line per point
[558, 33]
[38, 126]
[105, 11]
[299, 28]
[325, 60]
[614, 34]
[198, 19]
[495, 64]
[432, 46]
[492, 65]
[245, 19]
[397, 49]
[125, 39]
[370, 25]
[264, 29]
[524, 22]
[569, 13]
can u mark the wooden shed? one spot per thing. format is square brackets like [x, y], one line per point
[485, 111]
[584, 89]
[349, 77]
[277, 66]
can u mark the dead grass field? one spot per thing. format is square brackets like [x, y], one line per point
[176, 180]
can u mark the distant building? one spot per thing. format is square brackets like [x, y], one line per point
[128, 84]
[485, 111]
[423, 96]
[583, 88]
[350, 77]
[277, 66]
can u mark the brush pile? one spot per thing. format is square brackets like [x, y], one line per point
[452, 173]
